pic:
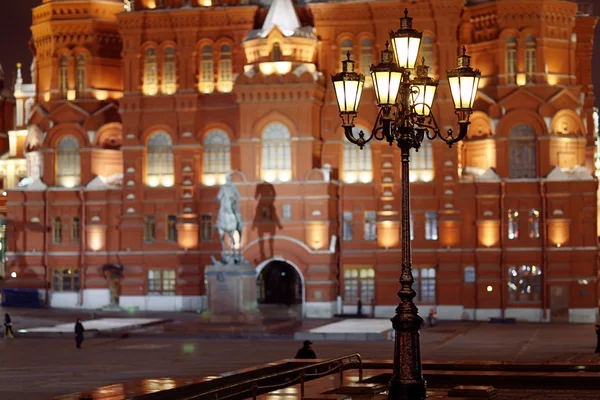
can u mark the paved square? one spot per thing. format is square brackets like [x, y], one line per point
[100, 325]
[366, 325]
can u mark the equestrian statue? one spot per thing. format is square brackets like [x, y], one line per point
[229, 221]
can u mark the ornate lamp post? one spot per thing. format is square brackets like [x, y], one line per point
[405, 118]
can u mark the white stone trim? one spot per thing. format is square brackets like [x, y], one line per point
[583, 315]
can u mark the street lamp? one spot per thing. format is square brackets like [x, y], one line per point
[405, 118]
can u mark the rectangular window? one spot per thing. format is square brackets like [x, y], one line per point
[431, 225]
[161, 281]
[524, 283]
[534, 224]
[57, 231]
[347, 226]
[206, 228]
[65, 280]
[75, 230]
[370, 225]
[149, 229]
[513, 224]
[286, 211]
[359, 283]
[421, 164]
[171, 228]
[511, 61]
[424, 285]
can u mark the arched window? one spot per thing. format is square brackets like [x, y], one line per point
[169, 84]
[522, 153]
[225, 84]
[276, 52]
[421, 163]
[80, 76]
[63, 76]
[345, 47]
[150, 87]
[366, 56]
[530, 59]
[358, 164]
[276, 153]
[511, 60]
[207, 84]
[159, 160]
[427, 53]
[217, 157]
[67, 162]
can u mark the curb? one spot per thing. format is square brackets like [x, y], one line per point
[91, 333]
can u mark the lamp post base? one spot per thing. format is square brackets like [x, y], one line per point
[416, 390]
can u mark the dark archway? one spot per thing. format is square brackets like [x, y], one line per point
[279, 284]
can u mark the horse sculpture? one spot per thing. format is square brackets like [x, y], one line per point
[229, 221]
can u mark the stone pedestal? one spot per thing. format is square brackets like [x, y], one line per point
[231, 293]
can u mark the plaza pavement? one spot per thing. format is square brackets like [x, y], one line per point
[39, 368]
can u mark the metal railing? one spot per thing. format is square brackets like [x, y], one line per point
[254, 389]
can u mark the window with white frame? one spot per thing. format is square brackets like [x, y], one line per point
[206, 228]
[522, 152]
[65, 280]
[63, 76]
[75, 230]
[469, 275]
[150, 86]
[370, 225]
[534, 223]
[225, 83]
[427, 53]
[424, 285]
[511, 60]
[431, 225]
[67, 162]
[347, 226]
[366, 59]
[206, 84]
[57, 230]
[159, 160]
[358, 164]
[217, 157]
[169, 78]
[513, 224]
[161, 281]
[276, 153]
[524, 283]
[80, 76]
[149, 229]
[286, 211]
[171, 233]
[359, 282]
[530, 59]
[421, 163]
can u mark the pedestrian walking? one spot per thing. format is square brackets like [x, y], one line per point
[79, 333]
[306, 352]
[432, 318]
[597, 338]
[8, 326]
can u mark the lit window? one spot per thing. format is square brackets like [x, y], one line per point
[534, 224]
[217, 158]
[345, 48]
[65, 280]
[366, 59]
[206, 228]
[63, 76]
[150, 87]
[80, 76]
[161, 281]
[427, 53]
[513, 224]
[370, 225]
[469, 275]
[276, 52]
[358, 164]
[57, 231]
[225, 84]
[522, 152]
[67, 162]
[169, 81]
[421, 164]
[286, 211]
[530, 59]
[149, 229]
[347, 226]
[359, 283]
[431, 225]
[511, 60]
[207, 84]
[159, 160]
[524, 283]
[276, 153]
[75, 230]
[424, 285]
[171, 228]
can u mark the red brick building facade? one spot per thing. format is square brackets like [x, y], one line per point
[141, 114]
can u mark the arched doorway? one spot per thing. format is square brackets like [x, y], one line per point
[279, 290]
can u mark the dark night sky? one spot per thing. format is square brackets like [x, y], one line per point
[15, 19]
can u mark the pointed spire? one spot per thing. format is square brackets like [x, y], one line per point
[19, 80]
[283, 15]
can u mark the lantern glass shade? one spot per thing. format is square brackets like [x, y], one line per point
[423, 99]
[464, 89]
[406, 48]
[348, 94]
[387, 85]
